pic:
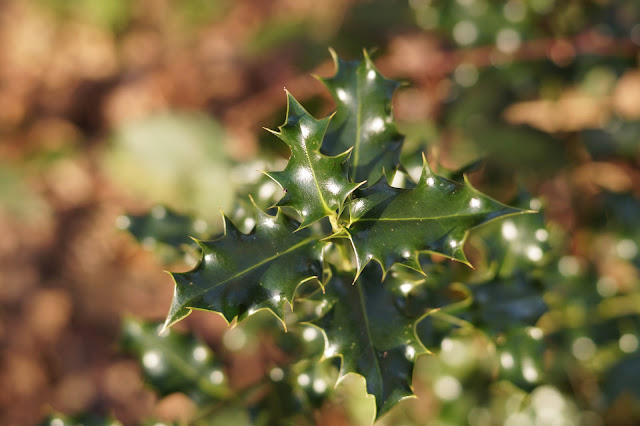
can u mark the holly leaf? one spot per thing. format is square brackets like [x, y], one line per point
[175, 362]
[315, 185]
[521, 356]
[295, 392]
[165, 231]
[516, 244]
[370, 328]
[393, 225]
[623, 378]
[501, 305]
[241, 273]
[363, 119]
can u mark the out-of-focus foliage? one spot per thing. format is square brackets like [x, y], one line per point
[146, 159]
[63, 420]
[176, 363]
[286, 391]
[169, 234]
[543, 92]
[17, 198]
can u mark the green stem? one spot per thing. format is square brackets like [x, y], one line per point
[335, 226]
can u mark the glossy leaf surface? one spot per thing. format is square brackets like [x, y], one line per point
[370, 328]
[501, 305]
[392, 225]
[363, 119]
[241, 273]
[315, 185]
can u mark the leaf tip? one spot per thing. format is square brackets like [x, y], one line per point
[199, 242]
[164, 328]
[365, 54]
[273, 132]
[334, 57]
[317, 77]
[359, 268]
[464, 261]
[252, 201]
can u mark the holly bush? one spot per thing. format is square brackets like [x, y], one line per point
[351, 263]
[320, 243]
[368, 269]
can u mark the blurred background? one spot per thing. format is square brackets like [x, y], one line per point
[113, 107]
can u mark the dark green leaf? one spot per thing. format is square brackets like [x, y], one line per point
[315, 185]
[363, 119]
[501, 305]
[617, 138]
[624, 377]
[516, 243]
[174, 362]
[296, 390]
[521, 356]
[392, 225]
[370, 328]
[165, 231]
[241, 273]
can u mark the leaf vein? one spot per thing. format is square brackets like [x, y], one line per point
[262, 262]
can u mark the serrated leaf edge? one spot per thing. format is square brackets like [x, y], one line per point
[369, 65]
[412, 262]
[229, 227]
[342, 157]
[328, 353]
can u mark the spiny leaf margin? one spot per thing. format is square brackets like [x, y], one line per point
[229, 280]
[364, 325]
[389, 225]
[363, 118]
[315, 185]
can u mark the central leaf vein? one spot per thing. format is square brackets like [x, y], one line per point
[262, 262]
[327, 209]
[406, 219]
[368, 328]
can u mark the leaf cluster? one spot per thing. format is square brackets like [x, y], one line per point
[337, 231]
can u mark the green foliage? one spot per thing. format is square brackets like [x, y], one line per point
[173, 362]
[534, 317]
[359, 310]
[176, 362]
[16, 198]
[166, 232]
[363, 120]
[240, 273]
[315, 185]
[393, 225]
[368, 327]
[62, 420]
[544, 329]
[146, 160]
